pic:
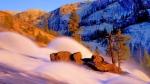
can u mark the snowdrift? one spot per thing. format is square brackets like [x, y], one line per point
[68, 44]
[21, 54]
[19, 44]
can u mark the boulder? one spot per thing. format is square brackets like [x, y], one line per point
[101, 65]
[66, 57]
[61, 56]
[77, 58]
[107, 67]
[97, 59]
[53, 56]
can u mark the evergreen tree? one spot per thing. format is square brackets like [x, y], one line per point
[110, 50]
[96, 52]
[117, 48]
[74, 22]
[74, 25]
[121, 50]
[76, 36]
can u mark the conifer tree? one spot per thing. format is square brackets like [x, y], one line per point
[117, 48]
[74, 25]
[110, 50]
[120, 48]
[96, 52]
[74, 22]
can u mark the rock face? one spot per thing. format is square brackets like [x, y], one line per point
[99, 16]
[96, 62]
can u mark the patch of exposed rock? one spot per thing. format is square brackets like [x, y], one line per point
[96, 62]
[67, 57]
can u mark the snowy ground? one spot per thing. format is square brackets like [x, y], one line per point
[21, 61]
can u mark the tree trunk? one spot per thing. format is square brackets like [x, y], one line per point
[119, 52]
[119, 62]
[110, 48]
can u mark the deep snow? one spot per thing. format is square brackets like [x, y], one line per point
[32, 62]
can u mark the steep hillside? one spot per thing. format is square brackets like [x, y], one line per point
[9, 22]
[99, 16]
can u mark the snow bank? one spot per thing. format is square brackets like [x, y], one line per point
[16, 43]
[68, 44]
[135, 70]
[70, 73]
[19, 44]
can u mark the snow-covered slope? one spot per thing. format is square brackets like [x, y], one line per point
[22, 45]
[140, 39]
[17, 66]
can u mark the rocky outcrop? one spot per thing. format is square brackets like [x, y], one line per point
[96, 62]
[66, 56]
[101, 65]
[61, 56]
